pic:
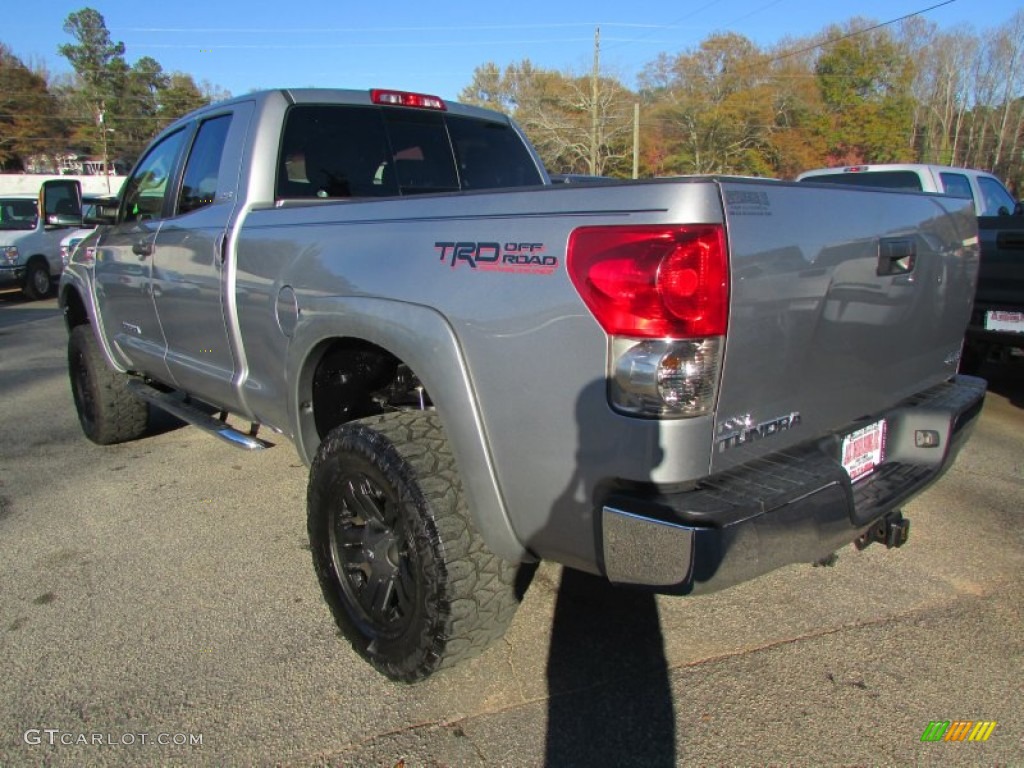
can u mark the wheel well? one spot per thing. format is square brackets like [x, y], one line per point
[38, 258]
[352, 378]
[74, 309]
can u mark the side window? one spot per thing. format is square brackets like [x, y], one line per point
[18, 213]
[994, 197]
[199, 187]
[61, 198]
[956, 185]
[146, 190]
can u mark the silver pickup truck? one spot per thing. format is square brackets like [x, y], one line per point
[678, 384]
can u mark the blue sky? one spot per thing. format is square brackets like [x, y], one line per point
[242, 45]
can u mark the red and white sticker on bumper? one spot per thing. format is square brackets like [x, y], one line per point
[1004, 321]
[864, 450]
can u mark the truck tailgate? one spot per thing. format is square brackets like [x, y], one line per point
[843, 303]
[1001, 275]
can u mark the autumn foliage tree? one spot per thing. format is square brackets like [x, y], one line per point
[856, 92]
[28, 111]
[714, 107]
[865, 77]
[128, 103]
[555, 109]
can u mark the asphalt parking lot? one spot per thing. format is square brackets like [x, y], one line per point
[158, 606]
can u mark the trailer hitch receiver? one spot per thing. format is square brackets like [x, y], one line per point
[891, 530]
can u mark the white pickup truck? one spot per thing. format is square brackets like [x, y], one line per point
[30, 244]
[987, 192]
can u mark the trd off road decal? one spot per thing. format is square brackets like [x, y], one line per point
[524, 258]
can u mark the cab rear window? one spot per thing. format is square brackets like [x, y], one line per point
[352, 151]
[884, 179]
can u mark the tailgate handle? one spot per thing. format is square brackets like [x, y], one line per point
[896, 256]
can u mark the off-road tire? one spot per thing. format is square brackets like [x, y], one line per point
[410, 582]
[37, 280]
[107, 410]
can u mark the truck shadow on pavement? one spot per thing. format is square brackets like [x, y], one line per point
[609, 695]
[1006, 379]
[16, 309]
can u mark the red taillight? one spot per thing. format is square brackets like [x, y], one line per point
[406, 99]
[653, 281]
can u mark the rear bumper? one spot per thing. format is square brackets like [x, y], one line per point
[794, 506]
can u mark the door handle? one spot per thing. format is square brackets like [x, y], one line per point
[220, 245]
[143, 248]
[896, 256]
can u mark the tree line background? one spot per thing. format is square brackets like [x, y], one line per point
[106, 108]
[857, 92]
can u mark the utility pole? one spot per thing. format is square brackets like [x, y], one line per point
[593, 100]
[103, 134]
[636, 139]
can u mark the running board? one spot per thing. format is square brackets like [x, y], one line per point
[197, 417]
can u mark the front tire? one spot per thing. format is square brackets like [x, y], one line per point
[37, 280]
[409, 580]
[107, 410]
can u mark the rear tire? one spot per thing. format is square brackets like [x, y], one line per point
[107, 410]
[410, 582]
[37, 280]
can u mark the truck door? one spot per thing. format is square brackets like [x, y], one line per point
[189, 286]
[124, 261]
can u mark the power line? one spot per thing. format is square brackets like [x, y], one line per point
[923, 11]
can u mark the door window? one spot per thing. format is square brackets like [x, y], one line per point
[199, 187]
[994, 197]
[146, 190]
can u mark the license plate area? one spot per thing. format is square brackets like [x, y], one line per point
[863, 451]
[998, 320]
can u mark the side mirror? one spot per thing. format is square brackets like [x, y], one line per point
[100, 211]
[63, 220]
[60, 203]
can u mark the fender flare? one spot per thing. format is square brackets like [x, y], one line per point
[423, 339]
[72, 282]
